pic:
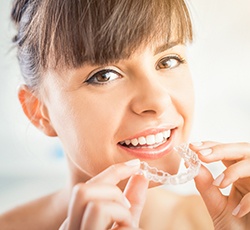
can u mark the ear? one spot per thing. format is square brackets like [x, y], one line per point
[35, 110]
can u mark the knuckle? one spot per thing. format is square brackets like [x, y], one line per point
[77, 188]
[80, 190]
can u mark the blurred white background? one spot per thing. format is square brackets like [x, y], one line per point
[32, 164]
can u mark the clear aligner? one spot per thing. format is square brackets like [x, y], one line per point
[192, 168]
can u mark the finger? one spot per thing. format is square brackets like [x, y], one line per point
[203, 144]
[100, 215]
[243, 208]
[84, 193]
[64, 225]
[211, 195]
[233, 173]
[115, 173]
[136, 191]
[223, 152]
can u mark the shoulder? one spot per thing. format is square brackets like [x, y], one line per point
[44, 213]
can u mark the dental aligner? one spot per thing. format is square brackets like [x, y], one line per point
[192, 168]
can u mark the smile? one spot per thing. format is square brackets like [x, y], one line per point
[151, 146]
[150, 141]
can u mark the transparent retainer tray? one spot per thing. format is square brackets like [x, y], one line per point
[192, 168]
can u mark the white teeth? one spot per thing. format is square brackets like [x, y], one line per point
[159, 137]
[142, 140]
[127, 142]
[134, 142]
[149, 140]
[166, 134]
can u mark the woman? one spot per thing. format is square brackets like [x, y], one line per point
[111, 80]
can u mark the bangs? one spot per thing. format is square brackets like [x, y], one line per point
[105, 31]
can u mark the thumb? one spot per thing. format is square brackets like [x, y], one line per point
[211, 195]
[135, 191]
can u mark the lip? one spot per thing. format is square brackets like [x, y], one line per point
[152, 131]
[152, 153]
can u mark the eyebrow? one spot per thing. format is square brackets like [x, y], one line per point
[165, 47]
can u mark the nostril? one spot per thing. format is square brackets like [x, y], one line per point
[149, 111]
[151, 103]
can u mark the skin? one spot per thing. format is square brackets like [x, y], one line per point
[141, 98]
[104, 192]
[227, 212]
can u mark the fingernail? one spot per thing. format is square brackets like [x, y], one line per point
[205, 152]
[199, 143]
[127, 202]
[132, 163]
[219, 179]
[236, 210]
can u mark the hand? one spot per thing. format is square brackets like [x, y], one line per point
[232, 211]
[100, 204]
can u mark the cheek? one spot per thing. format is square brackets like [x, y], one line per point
[183, 100]
[86, 124]
[186, 93]
[186, 108]
[83, 122]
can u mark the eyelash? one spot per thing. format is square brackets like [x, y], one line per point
[93, 78]
[176, 57]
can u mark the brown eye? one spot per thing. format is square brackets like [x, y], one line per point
[169, 62]
[103, 77]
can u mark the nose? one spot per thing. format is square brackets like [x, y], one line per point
[151, 97]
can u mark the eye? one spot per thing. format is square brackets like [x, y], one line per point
[170, 62]
[103, 77]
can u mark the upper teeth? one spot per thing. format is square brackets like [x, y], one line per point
[149, 140]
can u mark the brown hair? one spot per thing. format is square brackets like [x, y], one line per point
[69, 33]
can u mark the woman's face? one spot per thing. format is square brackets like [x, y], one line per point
[140, 107]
